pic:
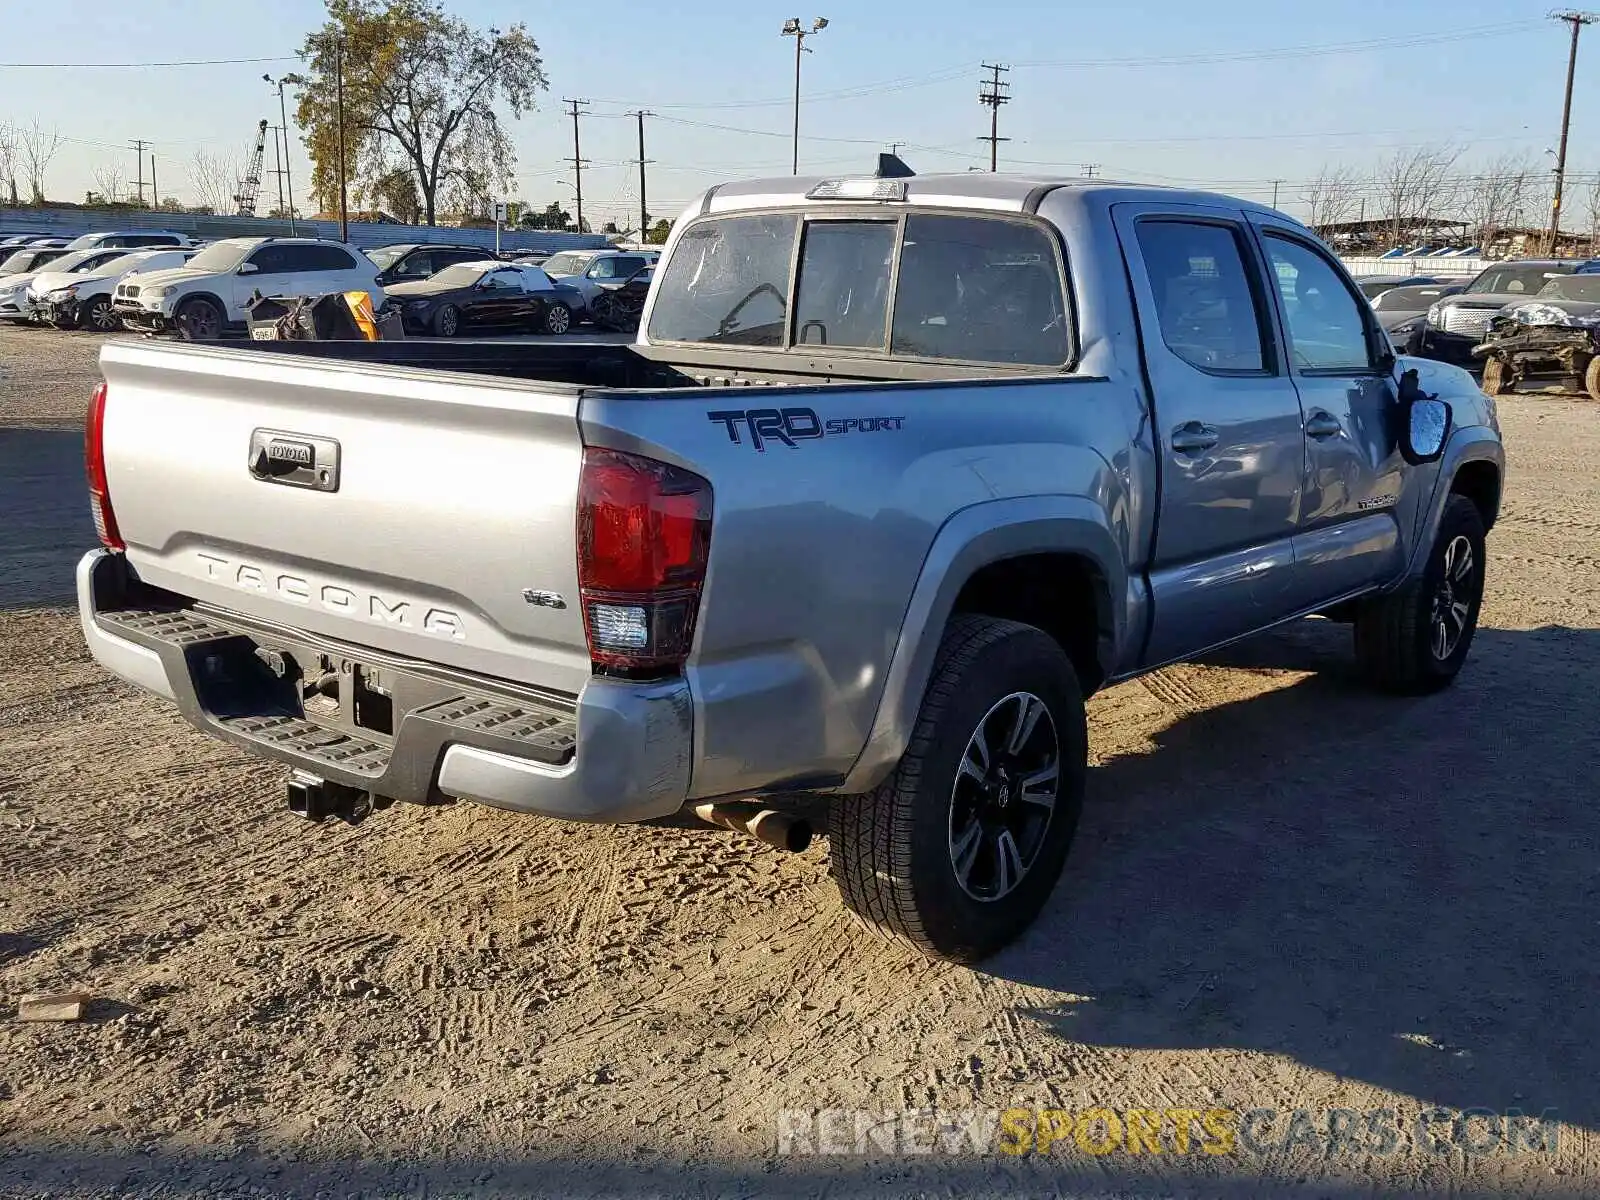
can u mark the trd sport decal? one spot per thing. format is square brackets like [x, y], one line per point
[791, 426]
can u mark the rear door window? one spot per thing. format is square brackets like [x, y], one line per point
[843, 299]
[727, 283]
[1207, 300]
[979, 289]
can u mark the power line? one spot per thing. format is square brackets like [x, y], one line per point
[102, 66]
[993, 93]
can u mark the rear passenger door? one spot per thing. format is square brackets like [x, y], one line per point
[1349, 532]
[1228, 424]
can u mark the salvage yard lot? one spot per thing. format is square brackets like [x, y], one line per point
[1286, 893]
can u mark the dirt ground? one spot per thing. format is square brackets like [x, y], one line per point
[1286, 894]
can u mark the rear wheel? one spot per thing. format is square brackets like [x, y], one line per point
[447, 321]
[199, 320]
[1415, 640]
[557, 317]
[958, 850]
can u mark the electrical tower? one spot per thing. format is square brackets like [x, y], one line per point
[994, 92]
[139, 145]
[577, 160]
[1577, 20]
[250, 185]
[644, 211]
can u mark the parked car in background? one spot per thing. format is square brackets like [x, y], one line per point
[529, 258]
[130, 239]
[619, 305]
[31, 243]
[210, 294]
[590, 270]
[1399, 306]
[1455, 324]
[486, 295]
[1373, 286]
[17, 272]
[1557, 333]
[82, 297]
[407, 262]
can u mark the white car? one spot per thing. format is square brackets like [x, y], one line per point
[212, 293]
[15, 304]
[588, 270]
[70, 299]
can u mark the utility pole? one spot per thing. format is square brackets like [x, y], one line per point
[155, 196]
[1089, 170]
[283, 115]
[576, 111]
[1275, 184]
[344, 214]
[139, 145]
[277, 161]
[793, 28]
[993, 92]
[1577, 20]
[644, 211]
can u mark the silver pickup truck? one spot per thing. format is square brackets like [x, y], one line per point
[899, 470]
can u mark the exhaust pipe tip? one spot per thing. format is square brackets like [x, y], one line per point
[781, 831]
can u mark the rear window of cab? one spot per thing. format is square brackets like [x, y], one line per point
[945, 287]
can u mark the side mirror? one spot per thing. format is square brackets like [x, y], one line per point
[1425, 422]
[248, 268]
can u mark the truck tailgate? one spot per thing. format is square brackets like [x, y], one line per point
[399, 509]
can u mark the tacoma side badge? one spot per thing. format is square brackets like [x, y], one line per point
[544, 599]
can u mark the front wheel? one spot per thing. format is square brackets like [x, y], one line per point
[1415, 640]
[98, 316]
[1591, 378]
[1494, 377]
[447, 321]
[199, 320]
[958, 850]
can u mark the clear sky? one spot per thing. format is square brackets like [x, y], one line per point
[1224, 94]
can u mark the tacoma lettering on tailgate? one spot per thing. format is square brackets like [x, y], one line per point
[365, 606]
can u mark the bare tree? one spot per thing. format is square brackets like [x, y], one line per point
[8, 159]
[214, 179]
[38, 147]
[1497, 197]
[1414, 185]
[1594, 215]
[1332, 197]
[111, 184]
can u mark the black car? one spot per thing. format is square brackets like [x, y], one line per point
[407, 262]
[485, 296]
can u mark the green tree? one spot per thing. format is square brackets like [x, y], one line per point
[658, 232]
[553, 216]
[395, 192]
[420, 92]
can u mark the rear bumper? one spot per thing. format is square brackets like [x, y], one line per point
[620, 753]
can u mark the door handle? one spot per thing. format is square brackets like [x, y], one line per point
[1323, 425]
[1193, 437]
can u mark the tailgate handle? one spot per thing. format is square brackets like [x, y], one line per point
[294, 459]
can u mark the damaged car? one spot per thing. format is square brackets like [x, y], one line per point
[1555, 334]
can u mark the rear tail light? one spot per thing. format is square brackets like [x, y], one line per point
[94, 466]
[644, 531]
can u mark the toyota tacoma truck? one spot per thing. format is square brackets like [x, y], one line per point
[897, 472]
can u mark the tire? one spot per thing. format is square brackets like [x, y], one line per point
[447, 321]
[199, 320]
[1591, 378]
[1403, 639]
[1494, 377]
[557, 317]
[894, 852]
[98, 316]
